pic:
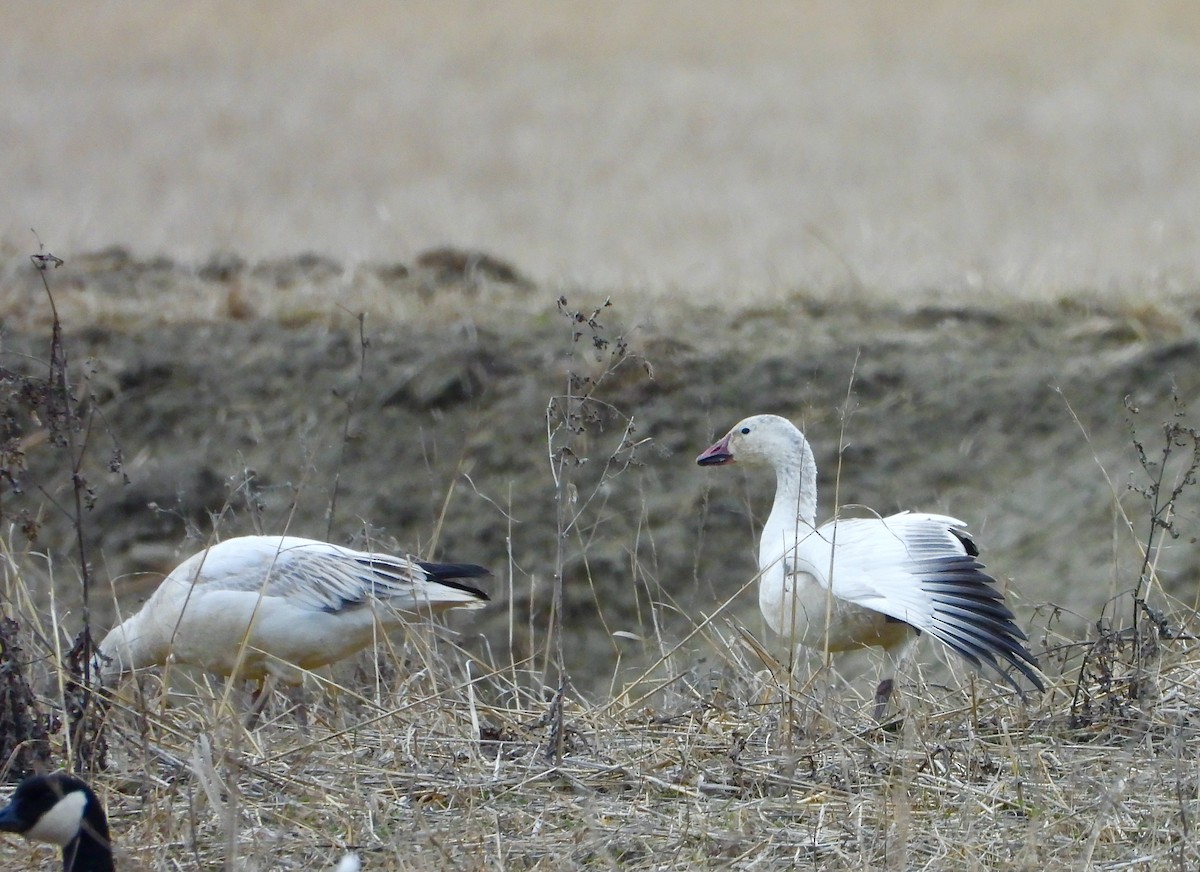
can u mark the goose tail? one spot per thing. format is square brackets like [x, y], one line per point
[445, 583]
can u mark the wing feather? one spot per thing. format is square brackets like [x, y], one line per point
[921, 569]
[330, 578]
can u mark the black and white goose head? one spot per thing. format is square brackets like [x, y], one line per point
[62, 810]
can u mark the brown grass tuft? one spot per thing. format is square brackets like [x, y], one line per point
[429, 757]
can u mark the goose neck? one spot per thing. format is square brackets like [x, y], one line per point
[89, 851]
[796, 485]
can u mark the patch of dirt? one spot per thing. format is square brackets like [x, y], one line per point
[977, 413]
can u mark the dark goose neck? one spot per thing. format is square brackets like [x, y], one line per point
[91, 850]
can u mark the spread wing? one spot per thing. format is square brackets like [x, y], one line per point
[922, 570]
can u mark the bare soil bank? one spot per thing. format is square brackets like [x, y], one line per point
[240, 425]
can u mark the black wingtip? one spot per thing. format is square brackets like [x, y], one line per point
[973, 619]
[449, 573]
[466, 588]
[443, 571]
[964, 537]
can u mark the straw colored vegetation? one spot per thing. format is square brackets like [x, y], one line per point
[713, 748]
[723, 150]
[957, 242]
[431, 758]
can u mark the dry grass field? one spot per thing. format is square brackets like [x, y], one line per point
[957, 242]
[717, 150]
[689, 738]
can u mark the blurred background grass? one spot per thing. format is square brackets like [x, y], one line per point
[957, 241]
[723, 151]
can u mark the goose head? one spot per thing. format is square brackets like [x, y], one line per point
[115, 655]
[761, 440]
[62, 810]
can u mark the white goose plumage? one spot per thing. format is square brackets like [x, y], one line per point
[276, 605]
[879, 581]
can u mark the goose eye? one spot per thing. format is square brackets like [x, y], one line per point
[745, 430]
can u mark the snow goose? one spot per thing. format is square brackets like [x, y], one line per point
[62, 810]
[273, 606]
[862, 582]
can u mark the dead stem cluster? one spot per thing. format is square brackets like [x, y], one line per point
[432, 755]
[446, 761]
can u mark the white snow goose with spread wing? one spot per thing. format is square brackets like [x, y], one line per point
[880, 581]
[273, 606]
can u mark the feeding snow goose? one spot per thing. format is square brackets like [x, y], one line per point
[62, 810]
[272, 606]
[880, 581]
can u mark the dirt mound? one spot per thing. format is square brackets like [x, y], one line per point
[434, 440]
